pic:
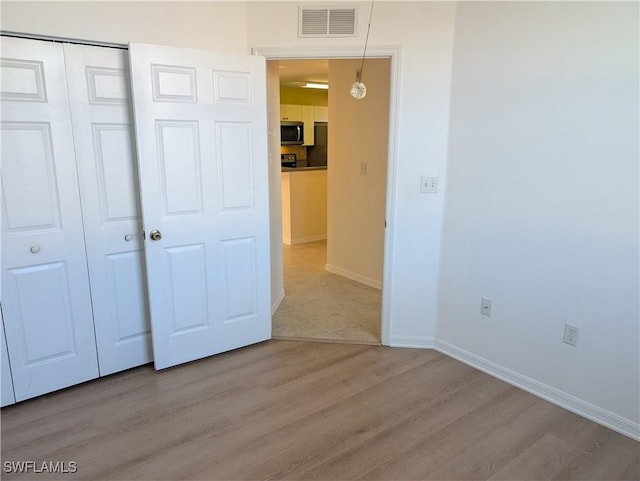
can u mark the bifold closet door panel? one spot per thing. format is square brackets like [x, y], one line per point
[7, 384]
[99, 92]
[45, 286]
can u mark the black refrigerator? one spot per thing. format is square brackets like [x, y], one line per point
[317, 155]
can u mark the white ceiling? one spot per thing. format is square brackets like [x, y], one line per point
[295, 72]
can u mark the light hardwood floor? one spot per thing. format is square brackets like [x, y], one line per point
[295, 410]
[324, 306]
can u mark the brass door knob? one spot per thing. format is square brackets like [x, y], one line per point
[155, 235]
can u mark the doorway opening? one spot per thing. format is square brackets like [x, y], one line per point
[334, 287]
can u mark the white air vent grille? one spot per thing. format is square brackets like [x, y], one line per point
[326, 22]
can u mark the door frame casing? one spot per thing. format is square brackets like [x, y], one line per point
[393, 53]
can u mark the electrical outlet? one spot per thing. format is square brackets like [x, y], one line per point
[428, 185]
[571, 335]
[485, 306]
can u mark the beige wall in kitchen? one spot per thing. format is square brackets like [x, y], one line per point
[299, 150]
[358, 134]
[296, 95]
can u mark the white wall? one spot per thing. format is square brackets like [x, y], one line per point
[217, 26]
[424, 33]
[542, 200]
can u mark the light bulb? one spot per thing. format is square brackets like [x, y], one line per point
[358, 90]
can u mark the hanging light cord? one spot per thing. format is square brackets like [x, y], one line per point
[366, 41]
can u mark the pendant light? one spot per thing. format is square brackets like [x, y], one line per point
[358, 88]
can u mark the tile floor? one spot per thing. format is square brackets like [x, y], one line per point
[319, 305]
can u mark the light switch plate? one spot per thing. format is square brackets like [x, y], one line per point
[428, 185]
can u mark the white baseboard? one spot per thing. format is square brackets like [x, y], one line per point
[551, 394]
[353, 276]
[303, 240]
[275, 304]
[420, 342]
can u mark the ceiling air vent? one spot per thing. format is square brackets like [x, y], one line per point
[326, 22]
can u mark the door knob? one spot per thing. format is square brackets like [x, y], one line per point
[128, 237]
[155, 235]
[35, 249]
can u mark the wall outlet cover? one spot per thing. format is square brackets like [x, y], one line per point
[571, 333]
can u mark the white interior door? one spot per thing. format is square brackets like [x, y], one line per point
[45, 287]
[7, 384]
[102, 117]
[200, 121]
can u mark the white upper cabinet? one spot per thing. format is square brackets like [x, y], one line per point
[291, 112]
[321, 114]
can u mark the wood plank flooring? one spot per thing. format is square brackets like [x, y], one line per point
[295, 410]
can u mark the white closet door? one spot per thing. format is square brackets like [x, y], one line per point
[99, 92]
[7, 383]
[201, 132]
[45, 285]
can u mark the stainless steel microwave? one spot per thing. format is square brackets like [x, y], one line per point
[291, 133]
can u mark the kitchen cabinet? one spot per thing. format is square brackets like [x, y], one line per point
[291, 112]
[320, 113]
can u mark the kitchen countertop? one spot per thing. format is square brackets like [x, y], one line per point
[301, 169]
